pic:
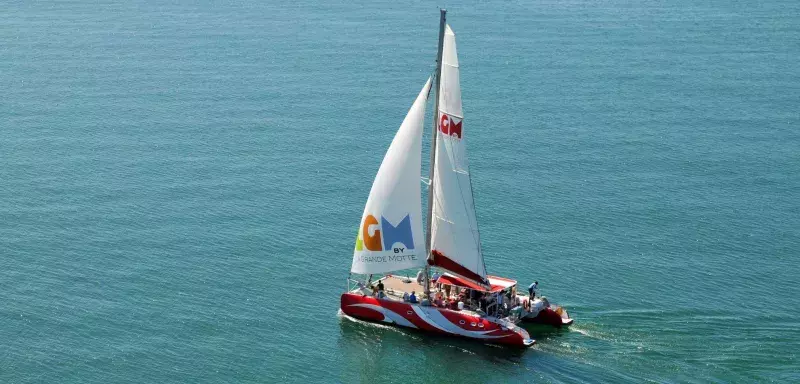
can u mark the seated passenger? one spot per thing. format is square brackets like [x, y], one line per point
[437, 301]
[413, 297]
[454, 304]
[405, 296]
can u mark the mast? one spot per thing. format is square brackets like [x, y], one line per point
[438, 76]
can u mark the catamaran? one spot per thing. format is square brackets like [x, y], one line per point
[462, 300]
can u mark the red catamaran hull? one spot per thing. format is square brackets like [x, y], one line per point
[434, 320]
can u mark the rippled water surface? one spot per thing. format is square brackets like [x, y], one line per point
[180, 185]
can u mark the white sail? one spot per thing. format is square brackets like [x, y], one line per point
[455, 242]
[390, 236]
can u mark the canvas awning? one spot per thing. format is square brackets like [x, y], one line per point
[498, 283]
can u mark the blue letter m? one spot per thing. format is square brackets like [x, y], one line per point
[397, 234]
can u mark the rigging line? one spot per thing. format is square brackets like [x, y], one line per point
[476, 240]
[452, 228]
[428, 96]
[477, 230]
[438, 196]
[440, 202]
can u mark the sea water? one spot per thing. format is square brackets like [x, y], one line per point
[181, 184]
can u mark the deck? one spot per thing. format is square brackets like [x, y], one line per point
[395, 286]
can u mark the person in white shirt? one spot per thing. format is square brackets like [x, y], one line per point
[420, 276]
[436, 277]
[532, 289]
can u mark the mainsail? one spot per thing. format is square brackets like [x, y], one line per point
[390, 236]
[455, 242]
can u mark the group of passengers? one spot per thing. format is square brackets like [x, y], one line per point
[377, 290]
[497, 302]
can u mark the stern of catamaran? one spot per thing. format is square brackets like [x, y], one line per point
[541, 311]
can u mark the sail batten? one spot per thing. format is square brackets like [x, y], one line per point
[390, 236]
[455, 239]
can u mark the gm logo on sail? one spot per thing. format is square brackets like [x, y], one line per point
[450, 126]
[382, 236]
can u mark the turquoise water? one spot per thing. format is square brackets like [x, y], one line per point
[181, 182]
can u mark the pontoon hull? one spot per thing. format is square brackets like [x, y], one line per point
[548, 316]
[434, 320]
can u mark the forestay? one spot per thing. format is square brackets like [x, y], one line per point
[455, 242]
[390, 236]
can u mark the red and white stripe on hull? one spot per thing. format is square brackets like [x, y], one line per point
[433, 319]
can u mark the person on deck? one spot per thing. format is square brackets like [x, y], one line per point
[532, 289]
[435, 278]
[379, 287]
[462, 296]
[438, 300]
[405, 296]
[420, 276]
[413, 297]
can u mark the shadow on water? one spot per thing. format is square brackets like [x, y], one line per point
[541, 331]
[377, 351]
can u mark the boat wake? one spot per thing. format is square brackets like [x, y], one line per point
[343, 315]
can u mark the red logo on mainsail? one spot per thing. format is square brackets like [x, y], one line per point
[450, 127]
